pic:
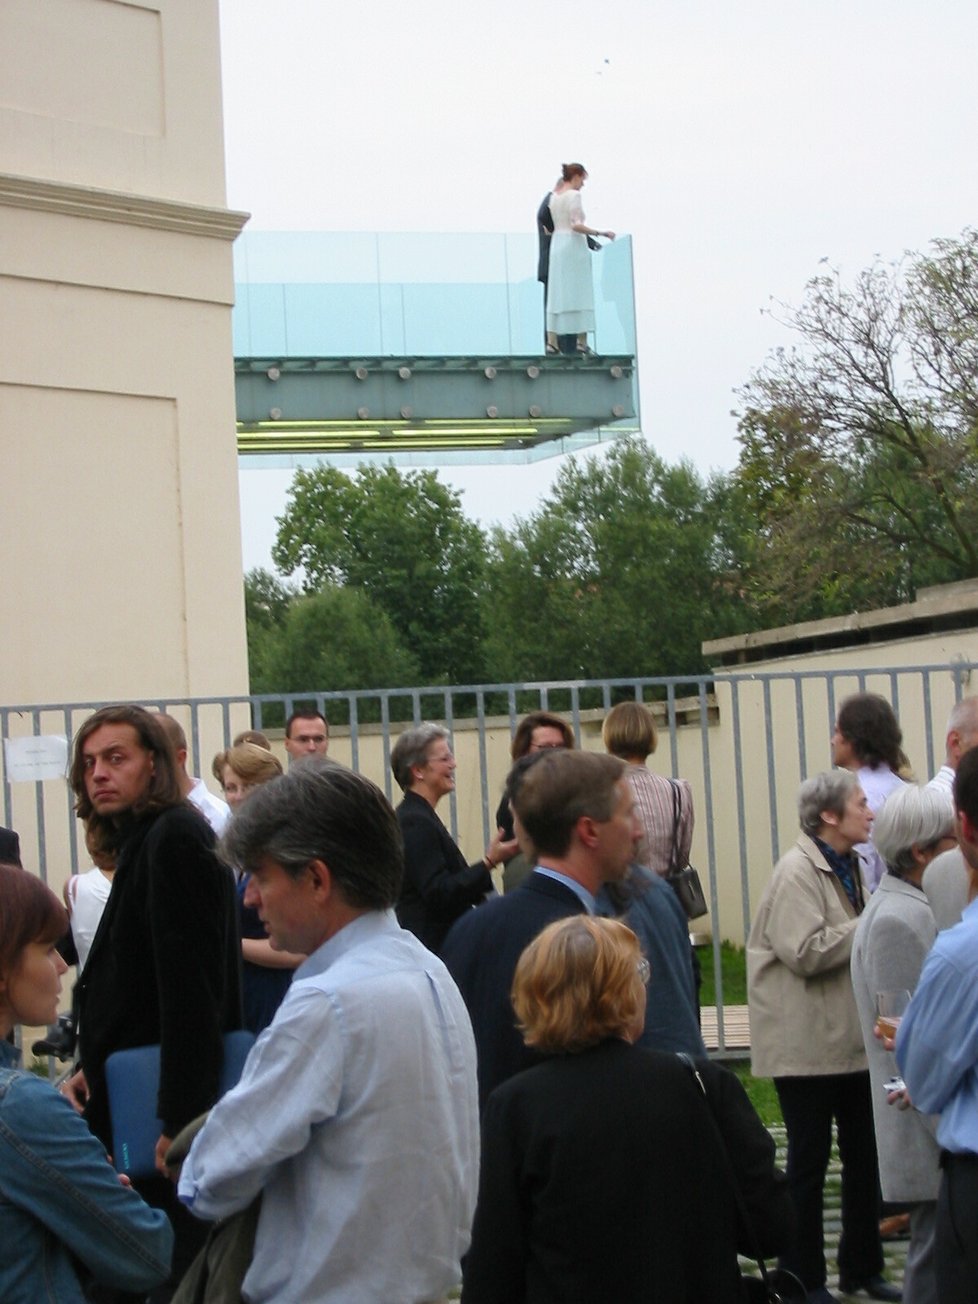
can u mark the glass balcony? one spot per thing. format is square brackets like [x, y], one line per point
[396, 345]
[413, 295]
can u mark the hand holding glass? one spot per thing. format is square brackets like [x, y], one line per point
[890, 1008]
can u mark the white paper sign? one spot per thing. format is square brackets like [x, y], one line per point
[30, 759]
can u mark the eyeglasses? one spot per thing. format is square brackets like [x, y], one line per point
[644, 971]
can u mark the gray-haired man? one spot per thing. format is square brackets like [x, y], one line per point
[356, 1115]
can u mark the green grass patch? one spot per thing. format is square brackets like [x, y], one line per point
[733, 962]
[733, 965]
[761, 1092]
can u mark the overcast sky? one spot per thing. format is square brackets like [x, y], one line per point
[737, 141]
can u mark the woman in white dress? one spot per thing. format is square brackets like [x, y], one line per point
[85, 896]
[570, 292]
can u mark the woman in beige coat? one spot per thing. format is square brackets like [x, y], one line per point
[805, 1032]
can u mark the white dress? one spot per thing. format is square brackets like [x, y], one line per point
[570, 289]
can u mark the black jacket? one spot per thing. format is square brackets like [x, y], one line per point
[481, 952]
[9, 847]
[438, 885]
[164, 968]
[601, 1182]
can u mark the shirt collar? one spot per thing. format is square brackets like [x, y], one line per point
[579, 890]
[368, 925]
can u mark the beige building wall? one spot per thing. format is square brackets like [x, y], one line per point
[120, 550]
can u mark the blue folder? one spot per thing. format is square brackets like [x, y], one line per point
[133, 1081]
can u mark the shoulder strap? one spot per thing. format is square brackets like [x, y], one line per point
[674, 866]
[732, 1176]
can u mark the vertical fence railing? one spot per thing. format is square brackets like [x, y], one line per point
[743, 739]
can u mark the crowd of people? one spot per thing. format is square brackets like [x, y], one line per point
[452, 1083]
[845, 928]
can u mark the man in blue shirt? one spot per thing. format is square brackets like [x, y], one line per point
[356, 1115]
[937, 1051]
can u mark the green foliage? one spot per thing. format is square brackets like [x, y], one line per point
[267, 602]
[624, 572]
[859, 458]
[329, 641]
[404, 541]
[857, 485]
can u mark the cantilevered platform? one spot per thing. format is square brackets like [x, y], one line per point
[370, 344]
[297, 405]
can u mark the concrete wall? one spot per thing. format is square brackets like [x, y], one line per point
[120, 552]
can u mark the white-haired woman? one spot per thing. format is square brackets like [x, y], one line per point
[805, 1032]
[438, 884]
[893, 937]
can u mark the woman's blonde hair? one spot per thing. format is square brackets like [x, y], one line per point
[629, 730]
[578, 983]
[250, 762]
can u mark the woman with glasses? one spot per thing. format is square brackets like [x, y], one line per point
[438, 884]
[602, 1176]
[540, 731]
[805, 1033]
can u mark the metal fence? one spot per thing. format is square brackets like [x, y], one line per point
[743, 740]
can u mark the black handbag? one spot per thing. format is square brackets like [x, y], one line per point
[684, 881]
[774, 1285]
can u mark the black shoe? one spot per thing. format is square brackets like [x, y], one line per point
[875, 1287]
[821, 1295]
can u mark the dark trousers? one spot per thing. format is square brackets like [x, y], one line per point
[809, 1105]
[956, 1241]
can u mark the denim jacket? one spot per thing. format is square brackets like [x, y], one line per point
[59, 1197]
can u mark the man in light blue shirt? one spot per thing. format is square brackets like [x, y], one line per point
[356, 1115]
[937, 1051]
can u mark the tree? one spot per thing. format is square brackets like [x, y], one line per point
[330, 641]
[625, 572]
[267, 602]
[858, 448]
[405, 542]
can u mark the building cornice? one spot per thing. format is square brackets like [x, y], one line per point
[936, 609]
[115, 206]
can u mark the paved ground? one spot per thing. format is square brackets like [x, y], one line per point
[895, 1252]
[736, 1032]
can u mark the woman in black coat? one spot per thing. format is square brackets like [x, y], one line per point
[602, 1176]
[438, 884]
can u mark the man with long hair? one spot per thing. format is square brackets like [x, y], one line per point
[164, 966]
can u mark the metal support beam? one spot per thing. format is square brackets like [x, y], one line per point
[289, 405]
